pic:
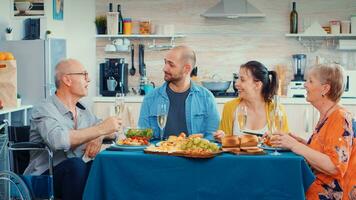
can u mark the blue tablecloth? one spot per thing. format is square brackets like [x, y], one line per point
[135, 175]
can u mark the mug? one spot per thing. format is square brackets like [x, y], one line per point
[111, 83]
[23, 6]
[148, 87]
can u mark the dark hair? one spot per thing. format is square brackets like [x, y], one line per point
[261, 73]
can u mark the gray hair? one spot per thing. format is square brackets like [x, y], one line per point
[61, 69]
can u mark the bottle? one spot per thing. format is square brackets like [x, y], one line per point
[294, 20]
[120, 20]
[111, 21]
[110, 7]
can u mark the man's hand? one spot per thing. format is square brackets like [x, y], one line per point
[93, 147]
[110, 125]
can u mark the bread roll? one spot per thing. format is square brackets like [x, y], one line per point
[230, 141]
[248, 140]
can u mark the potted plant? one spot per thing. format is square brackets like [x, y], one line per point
[18, 100]
[8, 34]
[100, 22]
[48, 34]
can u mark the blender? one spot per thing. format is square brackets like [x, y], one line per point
[296, 86]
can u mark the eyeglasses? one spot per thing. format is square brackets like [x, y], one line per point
[80, 73]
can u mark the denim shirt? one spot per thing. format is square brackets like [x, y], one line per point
[200, 110]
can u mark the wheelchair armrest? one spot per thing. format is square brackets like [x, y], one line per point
[108, 141]
[27, 145]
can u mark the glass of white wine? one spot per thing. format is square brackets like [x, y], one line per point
[277, 121]
[241, 116]
[119, 104]
[162, 113]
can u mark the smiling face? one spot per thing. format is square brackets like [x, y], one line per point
[248, 87]
[314, 87]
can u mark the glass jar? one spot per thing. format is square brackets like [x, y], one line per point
[335, 27]
[145, 27]
[127, 26]
[353, 24]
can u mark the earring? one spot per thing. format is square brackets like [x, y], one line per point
[323, 95]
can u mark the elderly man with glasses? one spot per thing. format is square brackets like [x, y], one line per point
[69, 129]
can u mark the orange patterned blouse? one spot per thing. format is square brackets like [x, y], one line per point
[335, 137]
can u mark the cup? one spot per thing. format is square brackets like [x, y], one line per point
[111, 83]
[110, 48]
[168, 29]
[148, 88]
[345, 27]
[23, 6]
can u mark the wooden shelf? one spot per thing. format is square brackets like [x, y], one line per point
[335, 36]
[140, 36]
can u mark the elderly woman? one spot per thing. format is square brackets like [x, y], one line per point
[256, 86]
[329, 149]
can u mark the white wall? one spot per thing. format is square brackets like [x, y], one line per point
[77, 27]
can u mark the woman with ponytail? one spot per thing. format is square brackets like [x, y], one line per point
[256, 86]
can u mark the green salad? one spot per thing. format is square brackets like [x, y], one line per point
[147, 132]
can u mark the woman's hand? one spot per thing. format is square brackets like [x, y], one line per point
[299, 139]
[218, 135]
[283, 140]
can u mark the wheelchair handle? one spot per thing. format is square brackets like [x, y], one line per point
[5, 123]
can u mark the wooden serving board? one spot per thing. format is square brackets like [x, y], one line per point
[238, 151]
[210, 155]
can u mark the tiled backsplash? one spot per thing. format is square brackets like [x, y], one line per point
[222, 45]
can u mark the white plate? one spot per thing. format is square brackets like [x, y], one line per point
[265, 147]
[128, 147]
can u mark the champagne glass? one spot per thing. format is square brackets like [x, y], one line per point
[162, 118]
[119, 106]
[277, 120]
[241, 115]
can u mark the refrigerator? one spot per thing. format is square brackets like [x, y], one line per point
[36, 61]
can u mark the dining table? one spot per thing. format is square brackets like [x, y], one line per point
[137, 175]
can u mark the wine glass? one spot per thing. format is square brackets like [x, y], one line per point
[241, 116]
[119, 106]
[162, 118]
[277, 121]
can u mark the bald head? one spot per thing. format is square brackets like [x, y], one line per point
[64, 67]
[186, 54]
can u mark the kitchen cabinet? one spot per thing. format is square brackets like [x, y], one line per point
[301, 119]
[18, 116]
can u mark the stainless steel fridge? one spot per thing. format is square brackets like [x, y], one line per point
[36, 61]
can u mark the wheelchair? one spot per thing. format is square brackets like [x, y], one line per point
[13, 184]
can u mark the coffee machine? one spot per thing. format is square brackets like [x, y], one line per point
[113, 71]
[296, 86]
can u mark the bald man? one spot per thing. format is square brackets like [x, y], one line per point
[69, 129]
[191, 108]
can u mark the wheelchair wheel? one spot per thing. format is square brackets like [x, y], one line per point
[12, 187]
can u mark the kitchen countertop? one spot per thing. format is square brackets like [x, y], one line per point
[220, 100]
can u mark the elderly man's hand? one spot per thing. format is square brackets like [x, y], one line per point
[111, 124]
[93, 147]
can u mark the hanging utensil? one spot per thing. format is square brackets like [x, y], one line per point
[133, 69]
[141, 62]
